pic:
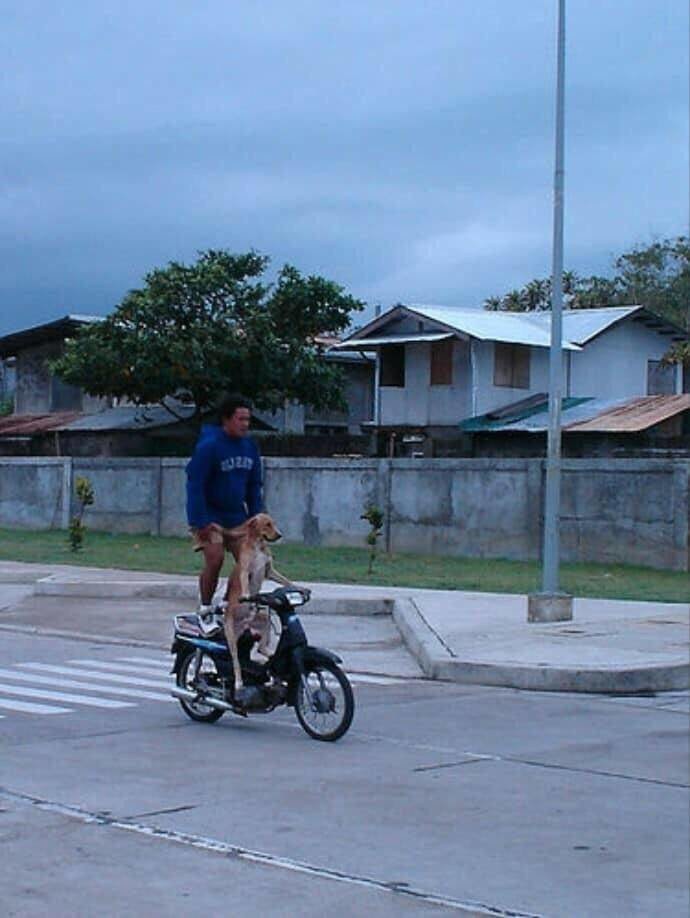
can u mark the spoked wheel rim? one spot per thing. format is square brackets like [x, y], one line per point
[326, 710]
[192, 677]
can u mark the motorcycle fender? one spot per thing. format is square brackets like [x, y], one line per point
[319, 654]
[310, 655]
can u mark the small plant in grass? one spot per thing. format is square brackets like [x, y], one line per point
[85, 497]
[374, 516]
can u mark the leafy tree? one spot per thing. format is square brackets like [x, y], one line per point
[656, 276]
[195, 331]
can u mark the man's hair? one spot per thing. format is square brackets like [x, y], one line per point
[230, 404]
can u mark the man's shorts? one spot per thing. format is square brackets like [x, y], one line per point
[214, 537]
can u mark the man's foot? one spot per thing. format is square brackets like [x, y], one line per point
[208, 623]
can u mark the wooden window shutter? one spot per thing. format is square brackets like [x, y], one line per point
[441, 365]
[520, 366]
[511, 365]
[503, 364]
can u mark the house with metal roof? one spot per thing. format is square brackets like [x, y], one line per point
[437, 366]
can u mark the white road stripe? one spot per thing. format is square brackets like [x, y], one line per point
[92, 674]
[162, 661]
[63, 696]
[27, 708]
[120, 667]
[77, 684]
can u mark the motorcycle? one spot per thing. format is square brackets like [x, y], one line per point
[304, 677]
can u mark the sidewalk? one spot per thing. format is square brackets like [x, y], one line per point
[475, 638]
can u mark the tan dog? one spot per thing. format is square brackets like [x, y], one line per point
[253, 565]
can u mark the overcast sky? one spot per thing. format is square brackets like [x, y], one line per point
[403, 148]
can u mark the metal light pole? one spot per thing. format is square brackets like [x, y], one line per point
[551, 605]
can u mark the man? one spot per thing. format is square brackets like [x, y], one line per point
[223, 490]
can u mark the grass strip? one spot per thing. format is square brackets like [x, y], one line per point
[169, 555]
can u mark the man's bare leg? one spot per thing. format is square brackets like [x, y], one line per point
[214, 555]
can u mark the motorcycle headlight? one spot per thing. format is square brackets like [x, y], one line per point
[295, 598]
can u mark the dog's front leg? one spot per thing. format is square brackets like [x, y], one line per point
[231, 637]
[277, 577]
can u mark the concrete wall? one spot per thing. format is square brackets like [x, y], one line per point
[627, 511]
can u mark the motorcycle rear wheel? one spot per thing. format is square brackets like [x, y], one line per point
[328, 715]
[190, 677]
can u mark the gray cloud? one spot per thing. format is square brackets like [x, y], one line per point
[405, 150]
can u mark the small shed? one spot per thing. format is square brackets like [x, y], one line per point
[590, 427]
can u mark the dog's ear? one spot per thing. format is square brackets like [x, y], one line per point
[254, 525]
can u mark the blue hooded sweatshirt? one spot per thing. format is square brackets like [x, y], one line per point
[223, 479]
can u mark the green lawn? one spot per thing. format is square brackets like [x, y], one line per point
[349, 565]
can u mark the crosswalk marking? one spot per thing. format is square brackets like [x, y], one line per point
[93, 674]
[120, 667]
[63, 696]
[27, 708]
[61, 682]
[158, 661]
[134, 678]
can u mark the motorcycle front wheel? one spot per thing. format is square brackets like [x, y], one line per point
[194, 678]
[325, 705]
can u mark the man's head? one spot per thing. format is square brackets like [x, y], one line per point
[235, 415]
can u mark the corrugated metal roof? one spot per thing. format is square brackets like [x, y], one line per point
[128, 417]
[531, 328]
[507, 327]
[581, 415]
[524, 416]
[25, 425]
[634, 415]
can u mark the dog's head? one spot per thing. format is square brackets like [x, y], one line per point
[262, 526]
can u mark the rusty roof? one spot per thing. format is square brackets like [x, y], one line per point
[25, 425]
[634, 415]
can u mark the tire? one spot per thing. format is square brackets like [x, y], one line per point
[329, 725]
[187, 679]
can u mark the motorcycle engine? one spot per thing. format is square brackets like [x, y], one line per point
[263, 697]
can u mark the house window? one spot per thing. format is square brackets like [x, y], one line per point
[660, 378]
[441, 366]
[511, 365]
[393, 365]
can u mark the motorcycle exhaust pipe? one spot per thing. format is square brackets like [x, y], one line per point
[186, 695]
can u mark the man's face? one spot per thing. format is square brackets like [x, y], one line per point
[238, 424]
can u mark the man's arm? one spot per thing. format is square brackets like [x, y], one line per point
[198, 470]
[254, 496]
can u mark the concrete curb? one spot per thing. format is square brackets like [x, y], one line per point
[167, 589]
[438, 661]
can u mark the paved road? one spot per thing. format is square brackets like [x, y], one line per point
[442, 799]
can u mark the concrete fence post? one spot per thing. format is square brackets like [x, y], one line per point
[156, 498]
[681, 515]
[388, 503]
[67, 482]
[535, 502]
